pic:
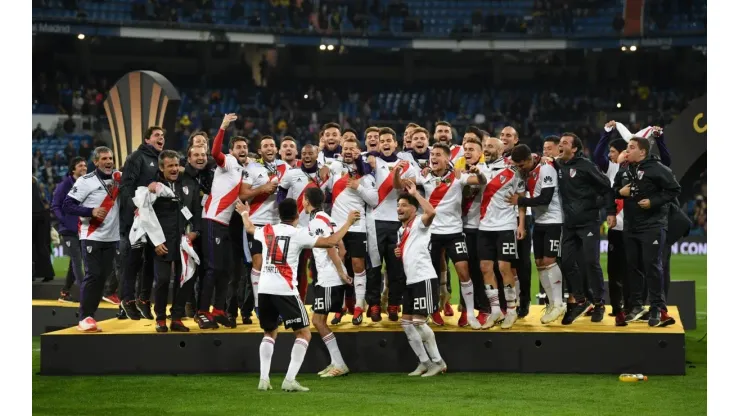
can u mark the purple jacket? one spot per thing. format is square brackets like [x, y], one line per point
[67, 223]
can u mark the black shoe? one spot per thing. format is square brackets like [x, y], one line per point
[653, 317]
[65, 297]
[204, 321]
[121, 314]
[575, 311]
[189, 310]
[598, 314]
[145, 307]
[635, 314]
[129, 308]
[645, 317]
[523, 309]
[161, 326]
[224, 321]
[246, 320]
[177, 326]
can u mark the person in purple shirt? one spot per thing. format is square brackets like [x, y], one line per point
[68, 227]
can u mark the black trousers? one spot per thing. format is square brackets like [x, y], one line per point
[387, 235]
[480, 300]
[98, 258]
[217, 254]
[644, 251]
[163, 272]
[75, 272]
[667, 252]
[581, 246]
[135, 261]
[238, 277]
[200, 272]
[41, 239]
[524, 263]
[617, 271]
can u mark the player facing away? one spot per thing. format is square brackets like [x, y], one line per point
[421, 296]
[331, 278]
[278, 296]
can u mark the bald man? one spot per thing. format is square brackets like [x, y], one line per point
[509, 138]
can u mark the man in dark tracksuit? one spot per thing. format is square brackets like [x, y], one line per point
[141, 169]
[68, 227]
[198, 174]
[179, 215]
[584, 190]
[647, 187]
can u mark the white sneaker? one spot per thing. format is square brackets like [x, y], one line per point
[420, 369]
[326, 370]
[336, 372]
[509, 319]
[293, 385]
[492, 319]
[264, 385]
[473, 322]
[553, 314]
[88, 325]
[433, 369]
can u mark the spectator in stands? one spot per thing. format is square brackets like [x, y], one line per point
[38, 160]
[85, 150]
[39, 132]
[48, 173]
[70, 151]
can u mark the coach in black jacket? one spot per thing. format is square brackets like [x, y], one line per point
[584, 191]
[648, 188]
[141, 169]
[178, 216]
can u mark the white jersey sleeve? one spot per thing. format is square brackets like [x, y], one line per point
[305, 239]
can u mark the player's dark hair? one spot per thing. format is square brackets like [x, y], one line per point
[73, 163]
[420, 130]
[288, 210]
[371, 129]
[577, 143]
[263, 138]
[618, 144]
[475, 130]
[328, 126]
[520, 153]
[553, 139]
[289, 139]
[237, 139]
[352, 140]
[148, 133]
[198, 133]
[442, 146]
[409, 198]
[168, 154]
[412, 125]
[485, 134]
[349, 130]
[642, 143]
[442, 123]
[387, 130]
[190, 149]
[474, 140]
[315, 197]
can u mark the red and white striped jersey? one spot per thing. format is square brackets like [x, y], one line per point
[611, 173]
[387, 194]
[541, 177]
[91, 191]
[227, 181]
[296, 181]
[263, 207]
[281, 248]
[322, 225]
[456, 152]
[413, 241]
[536, 160]
[495, 213]
[445, 194]
[345, 199]
[472, 195]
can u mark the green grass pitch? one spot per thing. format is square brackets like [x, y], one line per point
[378, 394]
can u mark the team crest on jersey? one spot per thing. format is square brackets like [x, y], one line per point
[69, 244]
[218, 240]
[572, 173]
[151, 163]
[502, 178]
[89, 249]
[640, 173]
[185, 190]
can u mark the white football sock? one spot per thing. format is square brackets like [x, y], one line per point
[255, 275]
[516, 287]
[360, 288]
[510, 295]
[430, 342]
[556, 284]
[492, 295]
[415, 340]
[467, 292]
[545, 281]
[266, 348]
[333, 347]
[296, 358]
